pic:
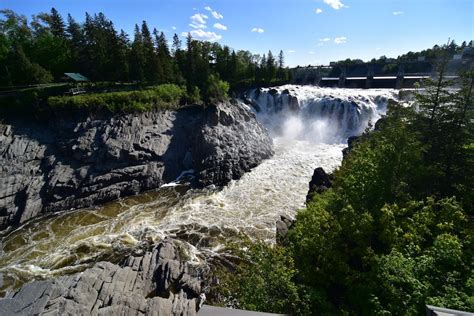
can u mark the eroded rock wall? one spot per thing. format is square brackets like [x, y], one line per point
[79, 162]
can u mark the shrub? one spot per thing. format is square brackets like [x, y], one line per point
[262, 280]
[163, 96]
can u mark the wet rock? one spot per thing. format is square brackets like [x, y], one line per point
[350, 144]
[319, 183]
[223, 152]
[82, 161]
[273, 91]
[283, 225]
[157, 283]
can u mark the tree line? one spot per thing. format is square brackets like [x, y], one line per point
[43, 49]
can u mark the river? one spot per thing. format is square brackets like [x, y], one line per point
[306, 133]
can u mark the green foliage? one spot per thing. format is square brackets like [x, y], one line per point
[395, 231]
[216, 89]
[97, 50]
[262, 280]
[162, 96]
[29, 102]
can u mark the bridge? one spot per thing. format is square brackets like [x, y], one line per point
[370, 75]
[371, 80]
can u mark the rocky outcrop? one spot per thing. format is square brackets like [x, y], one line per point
[283, 226]
[350, 145]
[319, 183]
[81, 161]
[156, 283]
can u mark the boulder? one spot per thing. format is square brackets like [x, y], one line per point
[283, 225]
[319, 183]
[350, 144]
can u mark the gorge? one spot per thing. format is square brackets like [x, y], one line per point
[308, 126]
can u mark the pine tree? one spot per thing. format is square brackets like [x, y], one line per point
[57, 24]
[270, 67]
[137, 60]
[176, 44]
[23, 71]
[121, 61]
[152, 71]
[281, 60]
[164, 56]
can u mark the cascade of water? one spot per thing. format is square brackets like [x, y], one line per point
[318, 115]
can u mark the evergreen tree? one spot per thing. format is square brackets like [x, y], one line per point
[23, 71]
[176, 44]
[76, 44]
[164, 56]
[281, 60]
[121, 57]
[270, 67]
[137, 59]
[152, 71]
[57, 24]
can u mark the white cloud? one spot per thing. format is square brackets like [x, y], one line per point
[258, 30]
[173, 27]
[215, 14]
[340, 40]
[220, 27]
[326, 39]
[198, 21]
[311, 52]
[197, 26]
[291, 51]
[318, 10]
[205, 36]
[398, 12]
[199, 18]
[335, 4]
[184, 34]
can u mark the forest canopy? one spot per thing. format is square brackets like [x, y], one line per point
[42, 49]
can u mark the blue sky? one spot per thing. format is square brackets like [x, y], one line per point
[308, 31]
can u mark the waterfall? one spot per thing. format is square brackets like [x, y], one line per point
[315, 114]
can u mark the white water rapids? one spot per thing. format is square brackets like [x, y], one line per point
[309, 130]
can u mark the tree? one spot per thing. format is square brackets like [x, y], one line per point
[23, 71]
[137, 59]
[270, 68]
[152, 69]
[121, 57]
[281, 60]
[57, 24]
[176, 44]
[164, 56]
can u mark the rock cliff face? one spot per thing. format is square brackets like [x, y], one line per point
[157, 283]
[81, 161]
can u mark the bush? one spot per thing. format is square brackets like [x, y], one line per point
[262, 280]
[377, 242]
[216, 89]
[29, 102]
[163, 96]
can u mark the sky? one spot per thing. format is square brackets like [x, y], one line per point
[308, 31]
